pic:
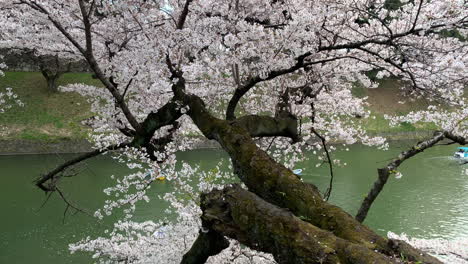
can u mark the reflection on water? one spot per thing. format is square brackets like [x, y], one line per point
[429, 201]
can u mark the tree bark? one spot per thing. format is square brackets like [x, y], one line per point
[242, 215]
[265, 126]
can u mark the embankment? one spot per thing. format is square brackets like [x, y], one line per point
[24, 147]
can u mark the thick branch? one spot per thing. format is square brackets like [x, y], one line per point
[386, 40]
[266, 126]
[460, 140]
[166, 115]
[241, 215]
[183, 15]
[52, 174]
[330, 164]
[385, 172]
[242, 90]
[87, 28]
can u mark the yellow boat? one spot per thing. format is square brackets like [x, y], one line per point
[161, 178]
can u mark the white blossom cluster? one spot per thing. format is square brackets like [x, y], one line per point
[149, 242]
[450, 251]
[7, 97]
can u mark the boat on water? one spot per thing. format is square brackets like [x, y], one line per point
[461, 153]
[297, 171]
[149, 177]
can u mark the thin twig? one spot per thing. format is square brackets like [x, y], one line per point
[45, 201]
[69, 204]
[327, 193]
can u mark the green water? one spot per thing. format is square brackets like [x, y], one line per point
[430, 201]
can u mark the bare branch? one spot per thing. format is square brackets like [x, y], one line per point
[242, 90]
[70, 205]
[51, 176]
[183, 15]
[327, 193]
[385, 172]
[417, 15]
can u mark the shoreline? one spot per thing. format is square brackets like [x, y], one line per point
[36, 147]
[64, 146]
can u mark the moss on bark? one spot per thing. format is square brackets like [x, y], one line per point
[242, 215]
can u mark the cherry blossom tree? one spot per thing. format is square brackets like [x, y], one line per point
[267, 80]
[52, 61]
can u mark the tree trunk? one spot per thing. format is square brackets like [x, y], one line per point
[51, 78]
[279, 186]
[242, 215]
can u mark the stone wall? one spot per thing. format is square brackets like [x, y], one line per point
[30, 62]
[23, 147]
[19, 147]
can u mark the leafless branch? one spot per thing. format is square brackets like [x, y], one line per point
[385, 172]
[51, 176]
[70, 205]
[327, 193]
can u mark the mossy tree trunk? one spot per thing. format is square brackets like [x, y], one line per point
[242, 215]
[280, 188]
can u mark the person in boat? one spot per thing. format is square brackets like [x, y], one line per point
[462, 152]
[149, 176]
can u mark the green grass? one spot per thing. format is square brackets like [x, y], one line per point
[378, 124]
[386, 100]
[46, 115]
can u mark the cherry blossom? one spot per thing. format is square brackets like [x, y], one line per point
[294, 61]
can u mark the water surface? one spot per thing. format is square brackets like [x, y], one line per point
[430, 201]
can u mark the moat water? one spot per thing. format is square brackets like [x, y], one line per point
[429, 201]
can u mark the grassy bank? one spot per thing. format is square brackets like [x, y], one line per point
[51, 117]
[46, 116]
[388, 99]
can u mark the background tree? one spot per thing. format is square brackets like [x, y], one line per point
[21, 54]
[52, 68]
[249, 75]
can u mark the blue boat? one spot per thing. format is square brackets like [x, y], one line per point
[461, 153]
[297, 171]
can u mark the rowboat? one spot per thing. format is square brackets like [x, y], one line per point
[461, 153]
[297, 171]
